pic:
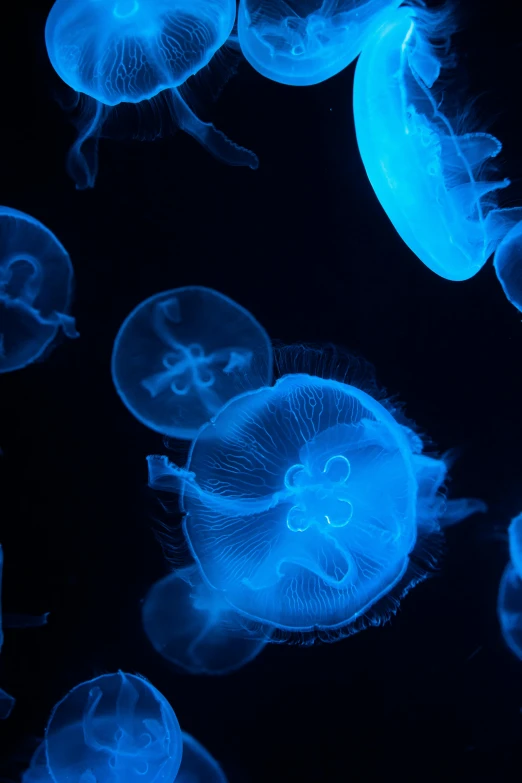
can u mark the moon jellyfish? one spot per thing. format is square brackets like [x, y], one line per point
[431, 179]
[119, 52]
[508, 265]
[180, 355]
[510, 591]
[36, 283]
[303, 42]
[197, 765]
[310, 505]
[116, 728]
[194, 627]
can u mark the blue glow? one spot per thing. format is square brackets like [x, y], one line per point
[508, 265]
[38, 771]
[125, 51]
[509, 606]
[303, 42]
[197, 765]
[192, 626]
[182, 354]
[36, 283]
[430, 179]
[116, 728]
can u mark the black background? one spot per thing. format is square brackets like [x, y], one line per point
[303, 244]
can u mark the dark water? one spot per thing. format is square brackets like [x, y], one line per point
[305, 246]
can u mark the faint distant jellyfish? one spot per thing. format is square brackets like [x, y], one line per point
[508, 265]
[197, 765]
[180, 355]
[510, 591]
[116, 728]
[307, 503]
[127, 51]
[430, 178]
[302, 42]
[194, 627]
[36, 283]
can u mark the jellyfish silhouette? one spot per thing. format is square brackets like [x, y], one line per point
[508, 264]
[431, 180]
[197, 765]
[36, 282]
[180, 355]
[302, 42]
[308, 502]
[116, 728]
[194, 627]
[119, 52]
[510, 592]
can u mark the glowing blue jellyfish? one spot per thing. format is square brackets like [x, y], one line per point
[306, 503]
[430, 179]
[129, 51]
[194, 627]
[510, 591]
[508, 265]
[38, 771]
[303, 42]
[197, 765]
[115, 728]
[36, 282]
[180, 355]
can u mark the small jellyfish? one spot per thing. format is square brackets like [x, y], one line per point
[36, 283]
[117, 52]
[310, 505]
[180, 355]
[116, 728]
[197, 765]
[510, 591]
[193, 626]
[302, 42]
[431, 179]
[508, 265]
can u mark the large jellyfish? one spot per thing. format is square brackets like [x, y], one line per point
[303, 42]
[193, 626]
[432, 179]
[115, 728]
[308, 502]
[36, 283]
[508, 265]
[128, 51]
[197, 765]
[510, 591]
[180, 355]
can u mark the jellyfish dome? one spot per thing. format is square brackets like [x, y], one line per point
[115, 728]
[508, 265]
[510, 592]
[36, 284]
[182, 354]
[302, 42]
[433, 181]
[197, 765]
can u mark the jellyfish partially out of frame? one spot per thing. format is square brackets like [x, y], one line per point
[510, 592]
[194, 627]
[116, 728]
[180, 355]
[433, 179]
[508, 264]
[302, 42]
[197, 765]
[119, 52]
[310, 504]
[36, 285]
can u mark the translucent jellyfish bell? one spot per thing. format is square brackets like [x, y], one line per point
[36, 283]
[38, 771]
[116, 728]
[129, 51]
[303, 42]
[508, 265]
[197, 765]
[180, 355]
[510, 591]
[431, 180]
[193, 626]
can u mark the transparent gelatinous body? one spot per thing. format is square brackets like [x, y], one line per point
[302, 42]
[182, 354]
[38, 771]
[197, 765]
[510, 591]
[431, 179]
[116, 728]
[508, 265]
[128, 51]
[36, 284]
[194, 627]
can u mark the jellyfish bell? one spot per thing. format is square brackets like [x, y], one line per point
[197, 765]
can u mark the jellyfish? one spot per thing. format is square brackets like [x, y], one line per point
[509, 605]
[118, 52]
[302, 42]
[311, 506]
[180, 355]
[508, 264]
[194, 627]
[36, 283]
[116, 728]
[197, 765]
[432, 179]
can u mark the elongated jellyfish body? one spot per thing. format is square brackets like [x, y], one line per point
[194, 627]
[119, 52]
[508, 265]
[116, 728]
[197, 765]
[36, 285]
[303, 42]
[182, 354]
[509, 604]
[432, 180]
